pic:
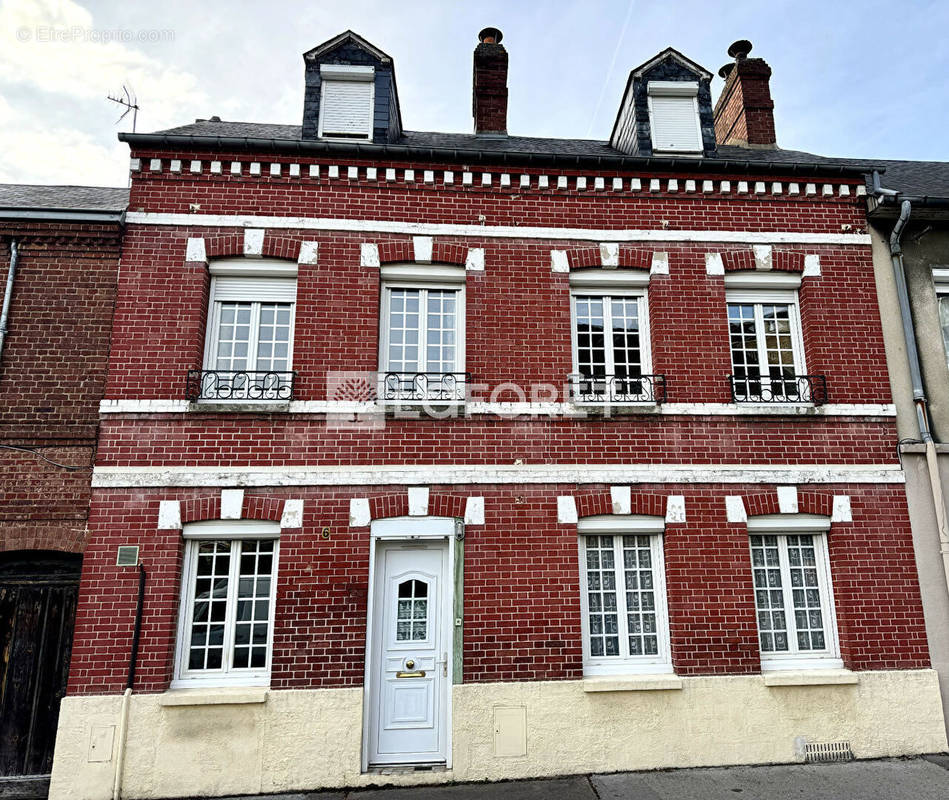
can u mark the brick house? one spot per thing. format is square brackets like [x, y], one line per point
[391, 416]
[59, 250]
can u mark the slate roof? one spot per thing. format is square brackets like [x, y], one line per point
[62, 198]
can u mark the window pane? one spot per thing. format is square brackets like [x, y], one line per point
[251, 615]
[601, 601]
[780, 351]
[404, 327]
[591, 341]
[440, 344]
[744, 347]
[772, 625]
[273, 338]
[233, 336]
[210, 604]
[640, 596]
[808, 616]
[412, 611]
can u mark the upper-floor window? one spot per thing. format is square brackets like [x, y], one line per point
[225, 631]
[674, 116]
[249, 348]
[623, 599]
[611, 353]
[767, 352]
[422, 342]
[793, 598]
[346, 101]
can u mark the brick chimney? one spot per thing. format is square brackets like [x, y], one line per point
[489, 86]
[744, 113]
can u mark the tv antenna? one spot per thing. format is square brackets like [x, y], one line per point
[129, 102]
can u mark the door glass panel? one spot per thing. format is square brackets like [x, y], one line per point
[412, 611]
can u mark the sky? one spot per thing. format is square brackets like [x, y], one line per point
[863, 79]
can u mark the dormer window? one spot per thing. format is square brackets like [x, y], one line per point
[674, 116]
[346, 101]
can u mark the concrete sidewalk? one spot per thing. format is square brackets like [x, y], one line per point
[925, 778]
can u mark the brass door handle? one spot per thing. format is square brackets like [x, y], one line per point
[417, 674]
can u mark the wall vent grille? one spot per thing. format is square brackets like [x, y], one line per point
[823, 752]
[127, 556]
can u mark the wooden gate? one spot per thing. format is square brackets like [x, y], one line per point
[38, 592]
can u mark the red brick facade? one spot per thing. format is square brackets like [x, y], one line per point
[52, 377]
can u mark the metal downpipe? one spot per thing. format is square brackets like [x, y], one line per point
[8, 293]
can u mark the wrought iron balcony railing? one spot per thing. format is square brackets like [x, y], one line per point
[423, 387]
[792, 389]
[618, 390]
[249, 385]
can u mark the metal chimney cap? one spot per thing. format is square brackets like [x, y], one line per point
[726, 70]
[490, 36]
[740, 49]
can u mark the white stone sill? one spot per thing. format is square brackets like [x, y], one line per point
[231, 696]
[632, 683]
[810, 677]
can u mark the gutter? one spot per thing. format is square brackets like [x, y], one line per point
[474, 156]
[65, 216]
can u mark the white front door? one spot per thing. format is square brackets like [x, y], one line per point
[408, 714]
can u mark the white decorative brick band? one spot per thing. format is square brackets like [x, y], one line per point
[359, 514]
[292, 514]
[169, 515]
[567, 509]
[253, 242]
[135, 164]
[787, 499]
[196, 251]
[423, 248]
[155, 165]
[841, 509]
[314, 170]
[675, 508]
[275, 170]
[352, 173]
[474, 511]
[735, 509]
[418, 501]
[332, 171]
[368, 254]
[308, 252]
[621, 497]
[195, 166]
[714, 264]
[475, 259]
[232, 503]
[175, 165]
[255, 168]
[215, 167]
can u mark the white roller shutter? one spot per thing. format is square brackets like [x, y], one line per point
[346, 109]
[675, 123]
[252, 289]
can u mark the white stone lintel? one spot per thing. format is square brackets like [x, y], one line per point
[558, 261]
[308, 252]
[735, 509]
[423, 248]
[841, 509]
[714, 264]
[359, 514]
[811, 266]
[196, 250]
[368, 254]
[621, 497]
[660, 263]
[253, 242]
[763, 256]
[787, 499]
[475, 259]
[292, 514]
[609, 254]
[675, 508]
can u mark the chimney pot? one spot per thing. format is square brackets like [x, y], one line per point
[490, 36]
[740, 49]
[725, 70]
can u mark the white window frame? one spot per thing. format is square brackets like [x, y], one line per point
[412, 278]
[618, 526]
[645, 343]
[234, 531]
[675, 89]
[257, 273]
[941, 283]
[782, 526]
[760, 297]
[330, 73]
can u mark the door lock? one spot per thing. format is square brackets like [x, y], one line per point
[410, 664]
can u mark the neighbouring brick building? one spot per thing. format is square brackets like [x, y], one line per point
[460, 457]
[59, 251]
